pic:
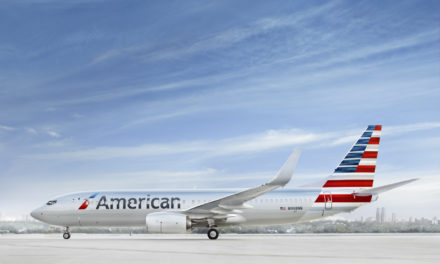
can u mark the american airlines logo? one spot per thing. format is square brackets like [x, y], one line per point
[133, 203]
[86, 202]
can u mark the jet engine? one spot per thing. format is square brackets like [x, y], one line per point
[167, 222]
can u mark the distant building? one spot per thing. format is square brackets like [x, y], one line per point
[393, 218]
[378, 215]
[382, 215]
[435, 220]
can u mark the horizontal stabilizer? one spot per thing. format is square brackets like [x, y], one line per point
[381, 189]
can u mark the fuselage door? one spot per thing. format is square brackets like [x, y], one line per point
[328, 202]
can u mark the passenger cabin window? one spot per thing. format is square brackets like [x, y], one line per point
[51, 202]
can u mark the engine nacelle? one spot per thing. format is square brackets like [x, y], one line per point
[167, 222]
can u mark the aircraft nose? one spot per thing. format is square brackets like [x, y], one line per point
[37, 213]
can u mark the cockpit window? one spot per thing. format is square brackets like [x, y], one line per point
[51, 202]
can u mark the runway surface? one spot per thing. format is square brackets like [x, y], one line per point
[193, 248]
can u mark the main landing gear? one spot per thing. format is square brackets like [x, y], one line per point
[66, 234]
[213, 233]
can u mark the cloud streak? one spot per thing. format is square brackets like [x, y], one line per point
[230, 146]
[395, 130]
[6, 128]
[53, 134]
[269, 140]
[235, 35]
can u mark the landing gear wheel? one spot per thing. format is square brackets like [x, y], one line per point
[66, 234]
[213, 233]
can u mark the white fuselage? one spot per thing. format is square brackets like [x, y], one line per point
[130, 208]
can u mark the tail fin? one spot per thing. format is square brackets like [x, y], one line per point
[358, 167]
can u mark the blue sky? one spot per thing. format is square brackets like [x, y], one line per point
[194, 94]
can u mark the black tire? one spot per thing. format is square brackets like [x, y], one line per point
[213, 233]
[66, 235]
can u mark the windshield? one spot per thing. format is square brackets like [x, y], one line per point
[51, 202]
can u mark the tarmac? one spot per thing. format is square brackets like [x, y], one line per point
[229, 248]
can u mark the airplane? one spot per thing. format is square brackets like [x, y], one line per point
[179, 211]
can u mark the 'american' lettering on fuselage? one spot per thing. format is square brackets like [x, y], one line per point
[139, 203]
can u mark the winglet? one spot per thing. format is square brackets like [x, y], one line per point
[237, 201]
[285, 173]
[381, 189]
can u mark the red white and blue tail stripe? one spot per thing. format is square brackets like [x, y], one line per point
[350, 185]
[359, 165]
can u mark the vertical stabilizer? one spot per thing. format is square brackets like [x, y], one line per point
[359, 165]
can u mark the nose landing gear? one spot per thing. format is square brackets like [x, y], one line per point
[66, 234]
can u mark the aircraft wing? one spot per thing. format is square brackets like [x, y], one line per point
[235, 202]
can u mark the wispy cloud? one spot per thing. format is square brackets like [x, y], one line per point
[145, 179]
[53, 134]
[271, 139]
[249, 143]
[219, 40]
[395, 130]
[125, 91]
[6, 128]
[351, 136]
[235, 35]
[31, 130]
[316, 69]
[370, 50]
[121, 52]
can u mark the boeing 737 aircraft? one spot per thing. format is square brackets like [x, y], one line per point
[178, 211]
